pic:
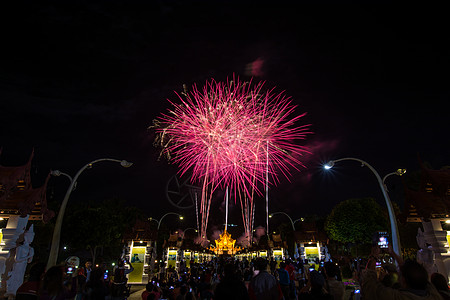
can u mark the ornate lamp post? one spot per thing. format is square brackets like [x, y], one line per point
[184, 231]
[54, 249]
[155, 253]
[392, 219]
[290, 219]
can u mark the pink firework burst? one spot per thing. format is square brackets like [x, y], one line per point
[233, 134]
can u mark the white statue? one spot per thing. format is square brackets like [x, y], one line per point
[420, 238]
[24, 255]
[327, 254]
[425, 256]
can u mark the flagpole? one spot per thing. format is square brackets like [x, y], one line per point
[226, 209]
[267, 188]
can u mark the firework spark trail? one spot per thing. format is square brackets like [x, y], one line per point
[224, 133]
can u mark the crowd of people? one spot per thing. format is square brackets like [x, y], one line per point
[259, 279]
[65, 282]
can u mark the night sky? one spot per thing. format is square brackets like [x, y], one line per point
[83, 80]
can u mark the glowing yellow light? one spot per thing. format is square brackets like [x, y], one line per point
[400, 172]
[225, 244]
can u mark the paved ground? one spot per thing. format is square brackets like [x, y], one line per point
[136, 291]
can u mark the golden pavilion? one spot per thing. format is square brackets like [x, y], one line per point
[225, 245]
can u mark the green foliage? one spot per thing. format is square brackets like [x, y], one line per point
[355, 221]
[409, 253]
[98, 226]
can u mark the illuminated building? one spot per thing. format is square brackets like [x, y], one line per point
[431, 199]
[429, 203]
[17, 195]
[172, 249]
[278, 248]
[19, 202]
[311, 243]
[140, 241]
[225, 245]
[192, 252]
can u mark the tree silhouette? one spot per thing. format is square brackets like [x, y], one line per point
[99, 227]
[356, 221]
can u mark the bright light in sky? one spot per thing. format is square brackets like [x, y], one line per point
[328, 165]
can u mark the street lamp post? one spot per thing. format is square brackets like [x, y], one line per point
[290, 219]
[399, 172]
[54, 249]
[292, 223]
[159, 221]
[155, 253]
[393, 221]
[184, 231]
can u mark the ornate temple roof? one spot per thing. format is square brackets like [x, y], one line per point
[225, 244]
[310, 237]
[10, 177]
[309, 233]
[432, 199]
[17, 195]
[141, 231]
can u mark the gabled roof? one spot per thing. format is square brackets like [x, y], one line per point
[10, 176]
[433, 197]
[438, 177]
[308, 226]
[18, 197]
[301, 236]
[141, 231]
[309, 232]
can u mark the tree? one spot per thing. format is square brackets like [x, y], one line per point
[99, 226]
[355, 221]
[287, 235]
[41, 242]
